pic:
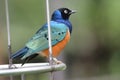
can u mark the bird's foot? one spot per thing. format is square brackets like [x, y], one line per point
[55, 61]
[12, 66]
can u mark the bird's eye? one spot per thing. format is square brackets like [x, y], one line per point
[65, 11]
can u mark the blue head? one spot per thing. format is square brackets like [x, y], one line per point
[62, 15]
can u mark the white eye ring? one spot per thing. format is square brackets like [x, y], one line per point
[65, 11]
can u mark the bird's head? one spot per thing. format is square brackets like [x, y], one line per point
[62, 13]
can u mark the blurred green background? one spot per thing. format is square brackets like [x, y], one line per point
[93, 52]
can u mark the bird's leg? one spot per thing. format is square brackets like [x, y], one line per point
[56, 61]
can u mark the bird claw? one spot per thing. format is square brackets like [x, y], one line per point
[12, 66]
[55, 61]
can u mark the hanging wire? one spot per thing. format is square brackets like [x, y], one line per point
[8, 28]
[8, 33]
[9, 40]
[49, 38]
[22, 76]
[49, 32]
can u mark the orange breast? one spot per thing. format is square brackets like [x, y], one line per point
[56, 49]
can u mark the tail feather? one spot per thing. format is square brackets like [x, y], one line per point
[19, 54]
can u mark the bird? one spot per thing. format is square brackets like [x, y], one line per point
[61, 29]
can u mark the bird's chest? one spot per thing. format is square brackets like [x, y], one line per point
[56, 49]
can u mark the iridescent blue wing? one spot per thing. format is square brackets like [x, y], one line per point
[39, 41]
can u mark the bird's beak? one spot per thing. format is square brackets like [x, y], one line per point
[73, 11]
